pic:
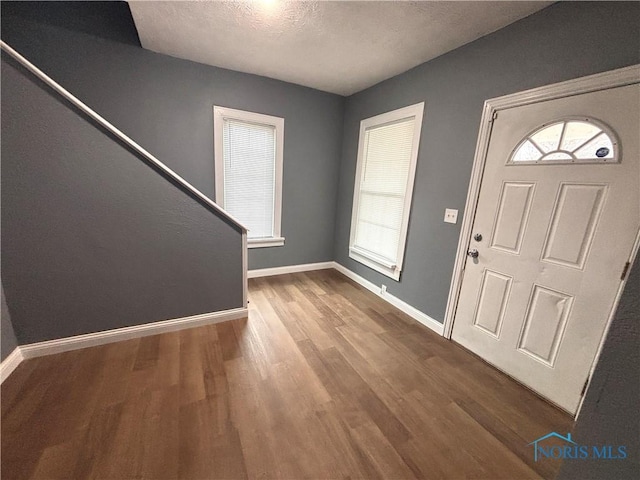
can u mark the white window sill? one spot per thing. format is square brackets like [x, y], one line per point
[265, 242]
[372, 261]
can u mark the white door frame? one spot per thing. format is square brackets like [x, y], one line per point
[591, 83]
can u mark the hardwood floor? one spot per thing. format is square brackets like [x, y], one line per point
[324, 380]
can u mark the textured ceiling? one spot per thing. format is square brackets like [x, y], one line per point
[339, 47]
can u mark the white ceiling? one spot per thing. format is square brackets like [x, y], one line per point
[340, 47]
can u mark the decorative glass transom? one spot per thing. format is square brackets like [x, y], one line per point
[567, 141]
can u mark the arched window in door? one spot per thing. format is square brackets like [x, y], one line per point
[583, 140]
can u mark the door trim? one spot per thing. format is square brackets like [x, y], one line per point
[592, 83]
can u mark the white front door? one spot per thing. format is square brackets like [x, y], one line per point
[558, 213]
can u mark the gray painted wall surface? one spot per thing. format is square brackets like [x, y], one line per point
[8, 341]
[92, 237]
[610, 411]
[157, 100]
[564, 41]
[166, 105]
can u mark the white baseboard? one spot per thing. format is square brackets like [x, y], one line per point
[413, 312]
[10, 363]
[305, 267]
[60, 345]
[66, 344]
[358, 279]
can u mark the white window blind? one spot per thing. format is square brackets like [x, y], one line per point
[386, 166]
[249, 152]
[383, 188]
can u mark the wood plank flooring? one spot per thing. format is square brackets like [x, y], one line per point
[324, 380]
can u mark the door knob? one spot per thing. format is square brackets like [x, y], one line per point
[473, 253]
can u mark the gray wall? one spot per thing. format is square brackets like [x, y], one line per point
[610, 411]
[7, 335]
[92, 237]
[564, 41]
[166, 105]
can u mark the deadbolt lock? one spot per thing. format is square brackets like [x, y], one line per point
[477, 237]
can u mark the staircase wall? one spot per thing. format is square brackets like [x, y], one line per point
[93, 238]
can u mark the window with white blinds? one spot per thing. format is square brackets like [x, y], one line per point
[248, 149]
[387, 154]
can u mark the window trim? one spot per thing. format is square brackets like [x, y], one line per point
[370, 259]
[219, 114]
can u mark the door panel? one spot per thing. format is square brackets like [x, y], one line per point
[573, 223]
[512, 216]
[544, 324]
[492, 302]
[536, 301]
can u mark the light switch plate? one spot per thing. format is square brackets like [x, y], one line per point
[450, 215]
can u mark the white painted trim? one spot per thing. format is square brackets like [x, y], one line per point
[577, 86]
[10, 363]
[369, 260]
[219, 114]
[356, 251]
[245, 271]
[390, 269]
[120, 135]
[59, 345]
[591, 83]
[612, 314]
[306, 267]
[265, 242]
[413, 312]
[468, 217]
